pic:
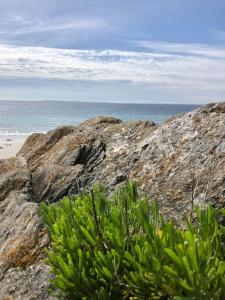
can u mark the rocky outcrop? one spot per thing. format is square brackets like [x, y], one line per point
[22, 236]
[96, 151]
[178, 162]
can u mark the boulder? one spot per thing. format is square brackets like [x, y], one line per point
[99, 150]
[22, 236]
[180, 162]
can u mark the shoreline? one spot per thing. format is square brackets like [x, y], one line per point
[10, 145]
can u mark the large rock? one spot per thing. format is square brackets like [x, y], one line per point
[22, 236]
[101, 149]
[178, 162]
[185, 160]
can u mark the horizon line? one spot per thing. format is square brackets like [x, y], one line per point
[112, 102]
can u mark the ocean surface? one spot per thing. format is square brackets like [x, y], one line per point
[21, 118]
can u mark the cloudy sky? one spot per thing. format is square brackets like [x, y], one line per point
[156, 51]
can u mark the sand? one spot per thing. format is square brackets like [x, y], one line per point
[9, 146]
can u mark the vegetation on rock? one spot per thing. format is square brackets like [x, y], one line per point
[120, 247]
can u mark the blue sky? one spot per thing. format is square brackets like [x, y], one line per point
[169, 51]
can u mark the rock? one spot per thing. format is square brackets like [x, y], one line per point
[189, 148]
[29, 283]
[91, 152]
[56, 181]
[175, 162]
[100, 120]
[22, 236]
[40, 143]
[163, 159]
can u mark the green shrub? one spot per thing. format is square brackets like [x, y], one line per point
[118, 247]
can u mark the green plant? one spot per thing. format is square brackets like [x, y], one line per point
[118, 247]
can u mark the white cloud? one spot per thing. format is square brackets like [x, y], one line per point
[77, 24]
[170, 75]
[184, 48]
[22, 25]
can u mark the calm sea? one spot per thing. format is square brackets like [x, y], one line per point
[18, 118]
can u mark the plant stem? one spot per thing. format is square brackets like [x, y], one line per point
[97, 222]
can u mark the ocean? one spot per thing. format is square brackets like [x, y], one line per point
[21, 118]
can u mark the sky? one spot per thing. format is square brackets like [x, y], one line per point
[136, 51]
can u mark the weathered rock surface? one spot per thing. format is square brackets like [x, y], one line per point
[31, 282]
[175, 162]
[101, 149]
[22, 236]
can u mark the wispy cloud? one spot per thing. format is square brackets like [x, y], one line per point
[151, 68]
[21, 25]
[185, 48]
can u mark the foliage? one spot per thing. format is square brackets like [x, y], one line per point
[118, 247]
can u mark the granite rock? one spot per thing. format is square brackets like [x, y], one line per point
[177, 162]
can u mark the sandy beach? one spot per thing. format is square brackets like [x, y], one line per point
[9, 146]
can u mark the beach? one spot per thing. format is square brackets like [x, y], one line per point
[9, 146]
